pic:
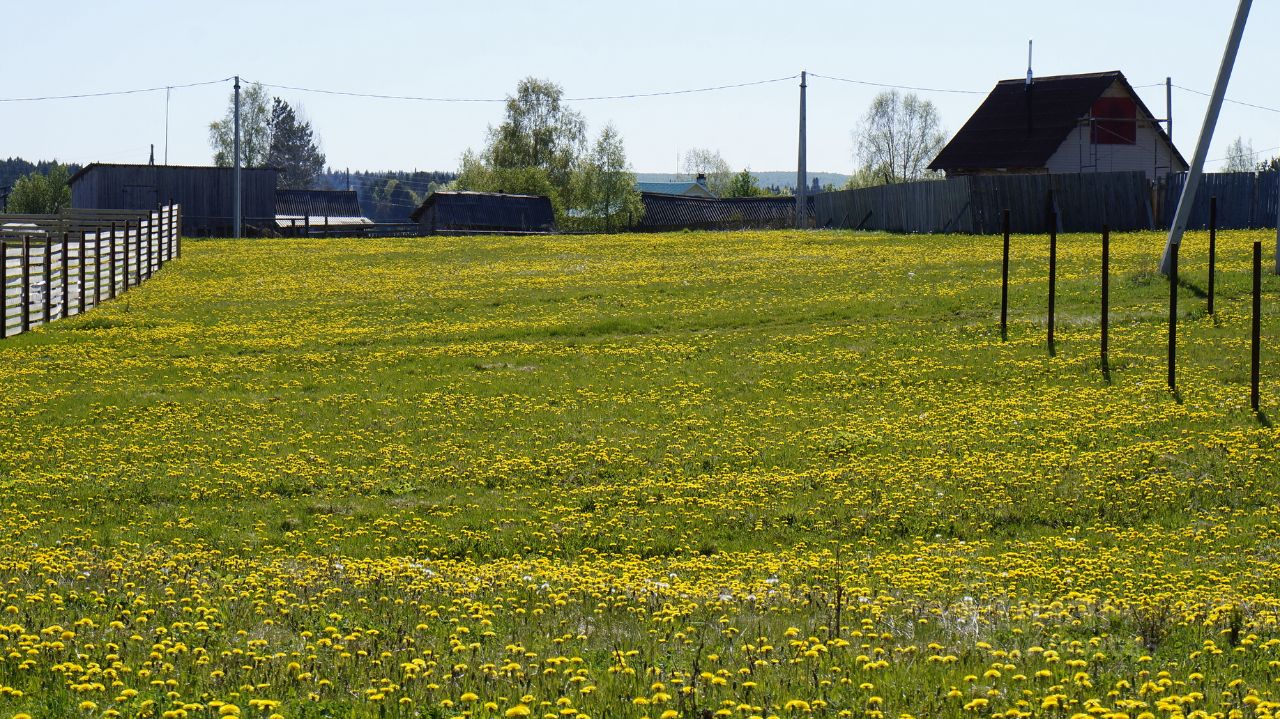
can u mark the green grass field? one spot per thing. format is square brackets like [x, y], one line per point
[688, 475]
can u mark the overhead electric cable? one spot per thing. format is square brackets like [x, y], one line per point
[112, 92]
[897, 87]
[422, 98]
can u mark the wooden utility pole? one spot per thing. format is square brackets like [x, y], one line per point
[235, 203]
[802, 171]
[1192, 184]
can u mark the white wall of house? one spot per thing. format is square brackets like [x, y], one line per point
[1151, 153]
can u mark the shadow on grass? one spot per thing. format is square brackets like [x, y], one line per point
[1193, 288]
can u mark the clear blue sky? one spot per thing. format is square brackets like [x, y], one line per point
[592, 48]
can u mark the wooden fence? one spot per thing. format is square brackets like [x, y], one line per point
[973, 204]
[54, 266]
[1246, 200]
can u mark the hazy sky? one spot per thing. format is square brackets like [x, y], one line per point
[481, 49]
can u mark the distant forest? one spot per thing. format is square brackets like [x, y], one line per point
[387, 196]
[16, 167]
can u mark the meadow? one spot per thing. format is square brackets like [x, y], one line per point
[768, 474]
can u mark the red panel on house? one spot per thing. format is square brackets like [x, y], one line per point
[1115, 121]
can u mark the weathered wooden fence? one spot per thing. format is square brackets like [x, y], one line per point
[973, 204]
[54, 266]
[1246, 200]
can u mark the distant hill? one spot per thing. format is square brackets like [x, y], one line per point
[779, 178]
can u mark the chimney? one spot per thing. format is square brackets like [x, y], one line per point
[152, 161]
[702, 179]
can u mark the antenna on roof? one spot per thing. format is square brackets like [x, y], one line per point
[1029, 75]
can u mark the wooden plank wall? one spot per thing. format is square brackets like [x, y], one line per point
[206, 194]
[1246, 200]
[974, 204]
[55, 266]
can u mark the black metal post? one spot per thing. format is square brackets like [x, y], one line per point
[1053, 274]
[1004, 282]
[1173, 316]
[1106, 296]
[1213, 246]
[1256, 350]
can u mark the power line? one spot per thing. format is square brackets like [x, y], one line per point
[897, 87]
[1234, 102]
[419, 98]
[1252, 154]
[112, 92]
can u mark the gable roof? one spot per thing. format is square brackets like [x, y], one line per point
[691, 189]
[463, 210]
[1015, 129]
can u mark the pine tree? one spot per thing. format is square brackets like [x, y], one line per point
[294, 149]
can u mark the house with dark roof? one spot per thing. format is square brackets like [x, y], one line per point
[1061, 124]
[484, 212]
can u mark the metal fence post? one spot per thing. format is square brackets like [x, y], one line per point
[1004, 283]
[1173, 317]
[1106, 297]
[1255, 360]
[1053, 275]
[1213, 246]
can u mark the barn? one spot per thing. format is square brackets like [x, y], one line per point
[1061, 124]
[496, 212]
[207, 194]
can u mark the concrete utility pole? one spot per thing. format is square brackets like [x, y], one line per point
[235, 203]
[1168, 107]
[1188, 197]
[802, 171]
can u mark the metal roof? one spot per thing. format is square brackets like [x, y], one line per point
[318, 203]
[691, 189]
[1017, 128]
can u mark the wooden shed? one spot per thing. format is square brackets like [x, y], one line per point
[207, 194]
[493, 212]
